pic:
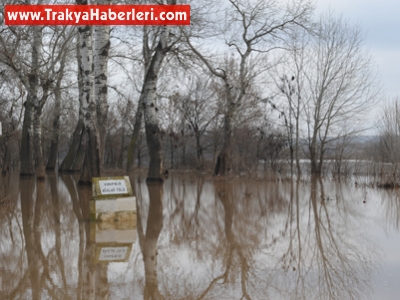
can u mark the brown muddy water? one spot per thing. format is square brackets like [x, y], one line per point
[196, 238]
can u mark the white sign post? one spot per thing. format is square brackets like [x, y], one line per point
[112, 199]
[113, 209]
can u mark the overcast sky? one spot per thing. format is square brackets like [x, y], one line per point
[380, 22]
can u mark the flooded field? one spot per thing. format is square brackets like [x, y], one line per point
[196, 238]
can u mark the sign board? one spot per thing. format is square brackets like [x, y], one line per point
[111, 187]
[113, 253]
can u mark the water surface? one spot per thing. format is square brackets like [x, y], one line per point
[197, 238]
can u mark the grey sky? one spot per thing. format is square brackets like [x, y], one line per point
[380, 22]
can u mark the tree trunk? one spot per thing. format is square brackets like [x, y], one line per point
[122, 150]
[101, 49]
[31, 124]
[313, 147]
[68, 164]
[153, 135]
[5, 164]
[139, 151]
[172, 154]
[133, 146]
[224, 159]
[26, 151]
[37, 48]
[92, 166]
[223, 164]
[53, 157]
[73, 161]
[37, 125]
[315, 170]
[199, 150]
[297, 146]
[184, 156]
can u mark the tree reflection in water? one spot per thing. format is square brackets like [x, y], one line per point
[198, 239]
[148, 241]
[327, 253]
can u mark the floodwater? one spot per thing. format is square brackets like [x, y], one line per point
[196, 238]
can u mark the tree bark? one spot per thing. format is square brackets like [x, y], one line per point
[224, 163]
[26, 151]
[133, 145]
[53, 156]
[92, 166]
[31, 125]
[37, 125]
[150, 109]
[73, 161]
[122, 150]
[101, 48]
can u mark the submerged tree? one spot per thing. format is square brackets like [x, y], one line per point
[149, 101]
[197, 106]
[341, 85]
[92, 166]
[251, 30]
[34, 54]
[101, 47]
[385, 148]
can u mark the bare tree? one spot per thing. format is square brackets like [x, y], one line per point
[12, 97]
[341, 85]
[385, 148]
[252, 29]
[149, 101]
[198, 107]
[13, 57]
[155, 46]
[291, 85]
[32, 54]
[59, 73]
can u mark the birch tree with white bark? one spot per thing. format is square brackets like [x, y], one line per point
[92, 166]
[149, 101]
[148, 46]
[101, 49]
